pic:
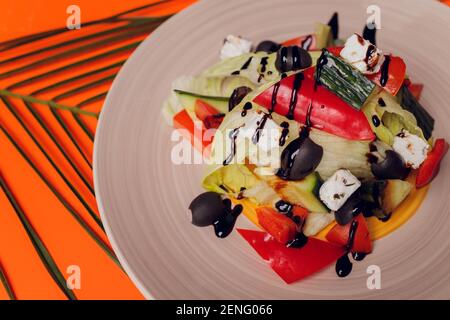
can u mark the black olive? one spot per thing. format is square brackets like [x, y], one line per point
[300, 158]
[349, 209]
[392, 167]
[292, 58]
[207, 208]
[267, 46]
[236, 97]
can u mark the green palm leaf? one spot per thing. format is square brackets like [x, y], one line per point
[111, 42]
[6, 285]
[42, 251]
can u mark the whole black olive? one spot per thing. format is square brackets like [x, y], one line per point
[207, 208]
[267, 46]
[236, 97]
[349, 209]
[292, 58]
[392, 167]
[300, 158]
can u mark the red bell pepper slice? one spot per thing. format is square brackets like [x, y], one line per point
[307, 42]
[209, 115]
[329, 112]
[361, 243]
[194, 134]
[300, 212]
[335, 50]
[430, 167]
[279, 226]
[416, 90]
[293, 264]
[396, 73]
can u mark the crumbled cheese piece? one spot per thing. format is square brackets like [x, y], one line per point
[269, 130]
[412, 148]
[234, 46]
[362, 55]
[338, 188]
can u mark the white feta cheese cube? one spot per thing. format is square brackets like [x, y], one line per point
[412, 148]
[261, 124]
[234, 46]
[338, 188]
[362, 55]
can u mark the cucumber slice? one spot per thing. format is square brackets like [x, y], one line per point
[394, 193]
[343, 80]
[385, 195]
[305, 193]
[187, 100]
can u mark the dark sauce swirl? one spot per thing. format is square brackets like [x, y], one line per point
[343, 265]
[385, 70]
[233, 136]
[284, 133]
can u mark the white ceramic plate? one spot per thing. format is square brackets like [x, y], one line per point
[144, 198]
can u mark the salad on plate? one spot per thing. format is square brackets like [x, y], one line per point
[320, 142]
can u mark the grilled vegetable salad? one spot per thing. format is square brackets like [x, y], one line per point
[311, 137]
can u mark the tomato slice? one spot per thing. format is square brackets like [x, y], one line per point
[293, 264]
[416, 90]
[209, 115]
[194, 134]
[282, 228]
[307, 42]
[396, 75]
[340, 235]
[430, 167]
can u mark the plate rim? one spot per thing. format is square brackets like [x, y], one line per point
[108, 100]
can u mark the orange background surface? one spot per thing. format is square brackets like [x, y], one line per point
[67, 242]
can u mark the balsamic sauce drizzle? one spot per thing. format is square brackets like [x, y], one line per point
[293, 102]
[351, 235]
[244, 67]
[233, 137]
[323, 60]
[284, 133]
[306, 44]
[274, 97]
[241, 193]
[343, 265]
[370, 34]
[225, 224]
[247, 106]
[299, 241]
[381, 102]
[334, 24]
[263, 63]
[376, 121]
[293, 147]
[261, 124]
[358, 256]
[385, 70]
[284, 207]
